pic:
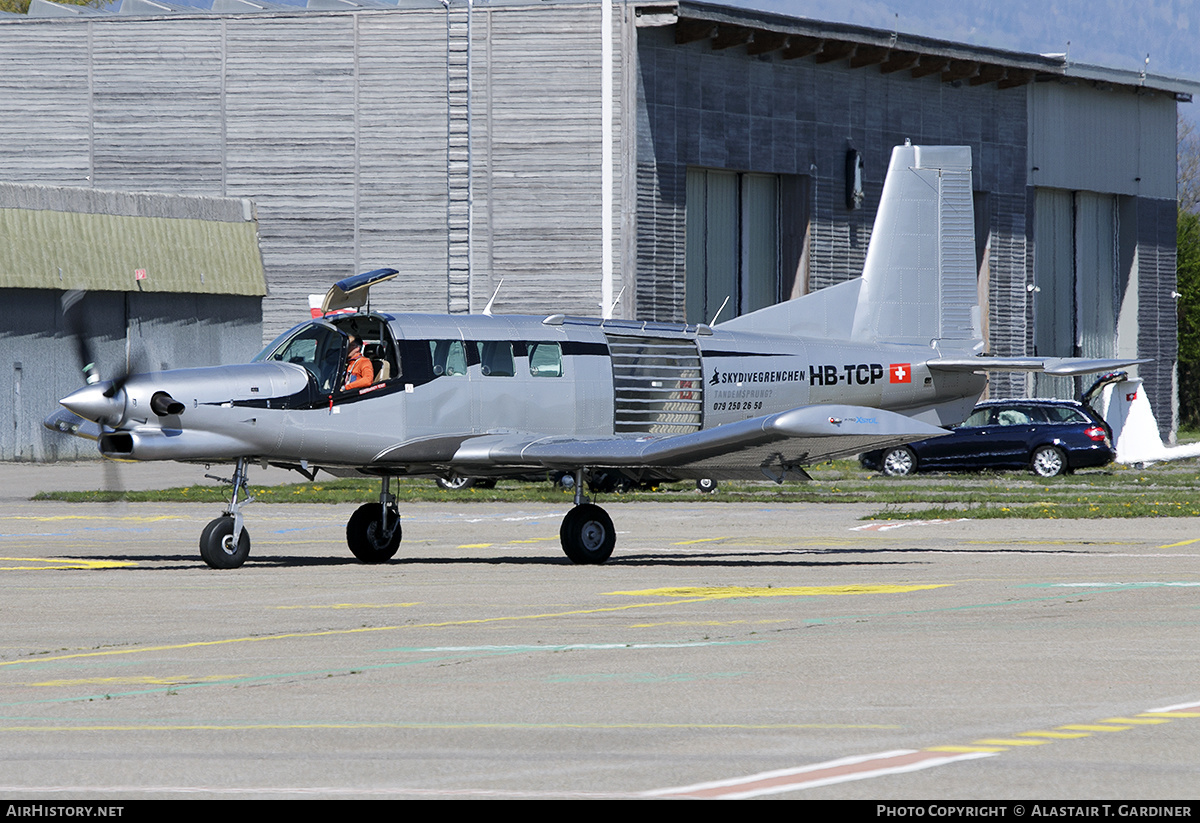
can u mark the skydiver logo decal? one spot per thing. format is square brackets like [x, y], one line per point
[860, 374]
[740, 377]
[900, 373]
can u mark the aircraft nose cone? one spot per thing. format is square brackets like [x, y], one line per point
[91, 404]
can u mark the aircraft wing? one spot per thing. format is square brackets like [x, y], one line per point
[773, 445]
[1058, 366]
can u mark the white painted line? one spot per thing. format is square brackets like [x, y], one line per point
[843, 770]
[884, 527]
[1194, 706]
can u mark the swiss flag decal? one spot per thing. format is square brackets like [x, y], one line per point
[899, 373]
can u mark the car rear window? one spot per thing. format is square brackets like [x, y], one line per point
[1065, 414]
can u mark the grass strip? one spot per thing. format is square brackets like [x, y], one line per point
[1169, 490]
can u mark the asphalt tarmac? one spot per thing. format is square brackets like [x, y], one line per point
[726, 650]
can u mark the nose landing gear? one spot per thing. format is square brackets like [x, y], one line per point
[224, 543]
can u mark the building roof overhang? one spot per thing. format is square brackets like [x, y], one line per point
[725, 27]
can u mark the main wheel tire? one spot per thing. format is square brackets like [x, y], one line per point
[898, 462]
[587, 534]
[455, 484]
[706, 485]
[1048, 461]
[216, 544]
[365, 536]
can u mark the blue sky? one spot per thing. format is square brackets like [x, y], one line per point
[1113, 33]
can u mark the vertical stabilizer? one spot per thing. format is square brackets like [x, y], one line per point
[919, 281]
[1126, 409]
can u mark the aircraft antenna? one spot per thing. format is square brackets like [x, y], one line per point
[713, 322]
[488, 308]
[613, 307]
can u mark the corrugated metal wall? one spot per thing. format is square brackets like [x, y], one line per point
[1105, 139]
[337, 125]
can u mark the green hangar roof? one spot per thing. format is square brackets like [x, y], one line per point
[69, 238]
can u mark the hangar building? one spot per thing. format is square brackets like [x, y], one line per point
[652, 160]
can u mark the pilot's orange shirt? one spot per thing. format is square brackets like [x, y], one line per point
[360, 373]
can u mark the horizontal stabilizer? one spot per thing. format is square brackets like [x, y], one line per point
[1058, 366]
[773, 444]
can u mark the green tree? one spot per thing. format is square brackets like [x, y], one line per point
[1188, 309]
[1187, 270]
[1187, 160]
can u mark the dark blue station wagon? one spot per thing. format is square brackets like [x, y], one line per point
[1048, 437]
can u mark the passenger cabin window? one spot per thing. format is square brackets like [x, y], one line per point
[449, 358]
[496, 358]
[545, 359]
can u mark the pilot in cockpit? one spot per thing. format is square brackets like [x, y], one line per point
[359, 371]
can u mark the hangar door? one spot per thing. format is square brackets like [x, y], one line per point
[747, 241]
[1077, 278]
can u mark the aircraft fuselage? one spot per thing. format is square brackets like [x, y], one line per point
[442, 380]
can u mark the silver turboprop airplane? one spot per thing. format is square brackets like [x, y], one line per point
[884, 359]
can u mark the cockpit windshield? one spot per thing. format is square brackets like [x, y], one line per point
[315, 346]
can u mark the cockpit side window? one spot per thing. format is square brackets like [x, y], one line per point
[378, 346]
[316, 347]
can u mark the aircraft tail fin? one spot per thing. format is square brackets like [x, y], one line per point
[1126, 409]
[919, 282]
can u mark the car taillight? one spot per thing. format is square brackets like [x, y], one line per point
[1096, 433]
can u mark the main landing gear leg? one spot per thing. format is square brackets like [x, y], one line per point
[373, 531]
[224, 543]
[587, 532]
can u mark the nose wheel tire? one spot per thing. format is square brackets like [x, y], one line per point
[366, 537]
[587, 534]
[216, 544]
